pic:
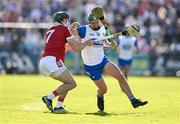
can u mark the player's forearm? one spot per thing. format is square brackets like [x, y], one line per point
[77, 46]
[114, 45]
[81, 46]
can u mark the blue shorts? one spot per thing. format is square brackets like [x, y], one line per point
[95, 72]
[122, 62]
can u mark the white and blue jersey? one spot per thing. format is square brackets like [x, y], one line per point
[93, 56]
[126, 46]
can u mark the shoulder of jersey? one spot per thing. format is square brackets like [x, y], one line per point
[58, 26]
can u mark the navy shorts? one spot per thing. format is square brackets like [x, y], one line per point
[95, 72]
[122, 62]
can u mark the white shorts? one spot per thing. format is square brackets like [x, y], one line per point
[51, 67]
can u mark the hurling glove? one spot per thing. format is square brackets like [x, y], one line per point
[75, 26]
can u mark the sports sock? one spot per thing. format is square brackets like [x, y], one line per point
[100, 96]
[52, 95]
[132, 99]
[59, 102]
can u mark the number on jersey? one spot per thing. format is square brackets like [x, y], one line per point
[49, 33]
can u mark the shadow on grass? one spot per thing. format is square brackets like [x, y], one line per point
[100, 113]
[131, 113]
[75, 113]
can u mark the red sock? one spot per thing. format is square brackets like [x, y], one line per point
[60, 99]
[59, 102]
[55, 93]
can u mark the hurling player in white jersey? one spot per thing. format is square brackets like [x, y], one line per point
[95, 62]
[127, 45]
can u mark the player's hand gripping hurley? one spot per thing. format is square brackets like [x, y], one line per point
[132, 30]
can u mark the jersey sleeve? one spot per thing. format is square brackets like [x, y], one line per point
[82, 31]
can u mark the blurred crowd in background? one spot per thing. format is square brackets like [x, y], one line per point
[20, 49]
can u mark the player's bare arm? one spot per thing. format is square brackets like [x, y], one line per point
[113, 44]
[76, 45]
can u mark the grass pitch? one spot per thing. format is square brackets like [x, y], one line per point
[20, 101]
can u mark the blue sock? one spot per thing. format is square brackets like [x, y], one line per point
[132, 99]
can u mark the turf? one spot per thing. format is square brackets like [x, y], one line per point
[20, 101]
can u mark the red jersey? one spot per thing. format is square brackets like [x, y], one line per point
[55, 41]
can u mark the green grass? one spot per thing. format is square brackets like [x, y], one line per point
[20, 101]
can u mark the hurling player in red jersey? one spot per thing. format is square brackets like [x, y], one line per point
[52, 62]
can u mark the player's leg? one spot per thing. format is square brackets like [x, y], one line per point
[57, 70]
[68, 84]
[59, 107]
[61, 100]
[102, 89]
[124, 66]
[59, 104]
[113, 70]
[125, 69]
[96, 76]
[95, 73]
